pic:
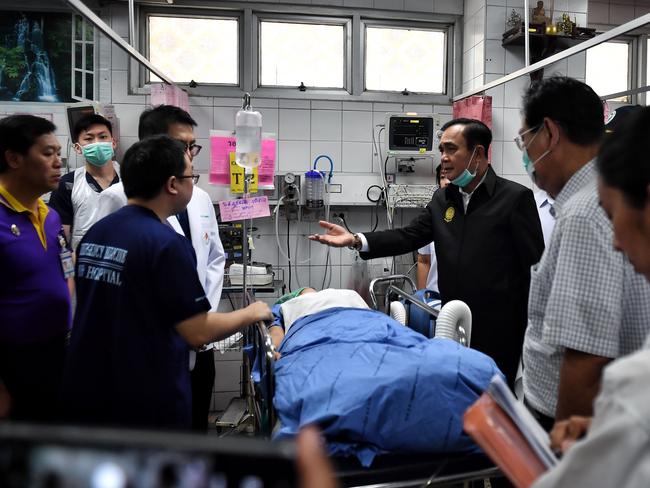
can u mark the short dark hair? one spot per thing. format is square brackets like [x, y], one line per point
[622, 161]
[571, 103]
[475, 132]
[85, 122]
[18, 133]
[149, 163]
[157, 120]
[438, 173]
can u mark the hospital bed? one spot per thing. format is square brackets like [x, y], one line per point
[388, 470]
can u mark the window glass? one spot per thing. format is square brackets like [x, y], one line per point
[294, 53]
[608, 68]
[200, 49]
[401, 58]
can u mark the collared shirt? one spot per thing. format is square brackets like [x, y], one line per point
[584, 295]
[37, 218]
[546, 212]
[467, 196]
[34, 296]
[616, 450]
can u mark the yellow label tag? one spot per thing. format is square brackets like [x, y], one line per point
[237, 174]
[449, 214]
[423, 149]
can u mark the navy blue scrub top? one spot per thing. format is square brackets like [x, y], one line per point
[135, 280]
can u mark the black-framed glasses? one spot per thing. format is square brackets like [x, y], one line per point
[193, 149]
[195, 178]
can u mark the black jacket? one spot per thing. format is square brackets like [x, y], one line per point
[484, 258]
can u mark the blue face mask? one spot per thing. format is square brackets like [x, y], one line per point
[465, 178]
[529, 165]
[98, 153]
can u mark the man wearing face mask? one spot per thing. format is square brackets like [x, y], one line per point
[587, 305]
[76, 197]
[487, 235]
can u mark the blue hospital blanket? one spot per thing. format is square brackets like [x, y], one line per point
[375, 386]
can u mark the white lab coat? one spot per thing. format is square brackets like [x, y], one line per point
[210, 256]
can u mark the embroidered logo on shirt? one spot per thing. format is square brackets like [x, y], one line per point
[449, 214]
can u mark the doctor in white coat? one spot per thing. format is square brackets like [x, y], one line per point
[199, 224]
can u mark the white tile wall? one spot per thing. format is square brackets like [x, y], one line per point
[326, 125]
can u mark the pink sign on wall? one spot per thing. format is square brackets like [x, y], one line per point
[222, 143]
[244, 208]
[478, 108]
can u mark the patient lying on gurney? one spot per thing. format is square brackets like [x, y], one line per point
[373, 385]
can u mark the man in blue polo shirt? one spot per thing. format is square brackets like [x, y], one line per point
[141, 305]
[34, 259]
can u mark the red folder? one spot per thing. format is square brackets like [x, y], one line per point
[503, 442]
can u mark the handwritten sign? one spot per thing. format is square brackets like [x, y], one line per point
[237, 175]
[244, 208]
[222, 145]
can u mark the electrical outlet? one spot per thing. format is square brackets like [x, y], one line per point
[390, 178]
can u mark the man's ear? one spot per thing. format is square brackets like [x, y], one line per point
[553, 130]
[170, 185]
[77, 148]
[14, 159]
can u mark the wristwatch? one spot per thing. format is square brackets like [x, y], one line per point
[356, 245]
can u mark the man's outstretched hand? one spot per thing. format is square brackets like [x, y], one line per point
[336, 236]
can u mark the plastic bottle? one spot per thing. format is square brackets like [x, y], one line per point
[248, 131]
[314, 186]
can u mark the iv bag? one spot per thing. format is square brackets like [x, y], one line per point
[248, 132]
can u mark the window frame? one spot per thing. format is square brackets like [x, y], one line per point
[354, 50]
[345, 22]
[84, 70]
[194, 14]
[423, 26]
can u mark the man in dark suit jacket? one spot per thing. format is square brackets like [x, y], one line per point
[487, 235]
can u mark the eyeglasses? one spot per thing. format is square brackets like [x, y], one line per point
[193, 149]
[519, 140]
[195, 178]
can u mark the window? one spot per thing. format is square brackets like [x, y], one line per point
[292, 53]
[405, 58]
[202, 49]
[608, 69]
[83, 59]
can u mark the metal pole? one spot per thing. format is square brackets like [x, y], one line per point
[247, 177]
[526, 34]
[583, 46]
[79, 6]
[132, 39]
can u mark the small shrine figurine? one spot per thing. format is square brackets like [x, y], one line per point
[565, 25]
[514, 20]
[539, 15]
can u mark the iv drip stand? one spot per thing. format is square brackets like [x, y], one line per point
[248, 175]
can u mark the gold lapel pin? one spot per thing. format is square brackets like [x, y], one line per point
[15, 230]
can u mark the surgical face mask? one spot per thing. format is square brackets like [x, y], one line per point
[529, 165]
[465, 178]
[98, 153]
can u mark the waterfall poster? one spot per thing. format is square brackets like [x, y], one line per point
[35, 56]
